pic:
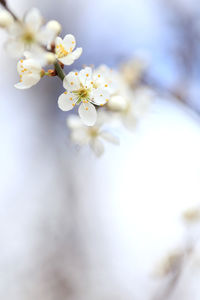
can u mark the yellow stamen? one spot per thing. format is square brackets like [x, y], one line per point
[61, 52]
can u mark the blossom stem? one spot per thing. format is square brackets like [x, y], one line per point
[4, 4]
[59, 71]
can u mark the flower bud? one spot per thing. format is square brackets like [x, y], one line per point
[117, 103]
[54, 26]
[6, 19]
[50, 58]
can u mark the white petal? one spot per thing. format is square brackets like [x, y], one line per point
[80, 136]
[24, 67]
[88, 114]
[66, 101]
[15, 48]
[97, 146]
[38, 54]
[74, 122]
[71, 57]
[28, 54]
[109, 137]
[16, 29]
[33, 19]
[67, 60]
[46, 36]
[71, 82]
[28, 81]
[32, 65]
[58, 41]
[69, 42]
[100, 96]
[85, 76]
[118, 103]
[77, 53]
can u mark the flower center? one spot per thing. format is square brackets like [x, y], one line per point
[93, 132]
[28, 37]
[61, 52]
[82, 94]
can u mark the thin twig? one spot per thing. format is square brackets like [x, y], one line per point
[4, 4]
[59, 71]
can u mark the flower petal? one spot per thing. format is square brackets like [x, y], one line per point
[109, 137]
[71, 57]
[28, 81]
[38, 54]
[28, 65]
[74, 122]
[33, 19]
[15, 48]
[80, 136]
[58, 41]
[69, 42]
[46, 36]
[99, 96]
[77, 53]
[67, 60]
[71, 82]
[66, 101]
[87, 113]
[85, 76]
[97, 146]
[16, 29]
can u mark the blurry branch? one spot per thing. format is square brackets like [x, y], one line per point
[173, 266]
[3, 2]
[186, 54]
[5, 5]
[178, 92]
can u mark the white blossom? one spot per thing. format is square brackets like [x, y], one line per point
[133, 70]
[29, 35]
[104, 75]
[93, 136]
[30, 73]
[81, 89]
[64, 49]
[130, 106]
[6, 19]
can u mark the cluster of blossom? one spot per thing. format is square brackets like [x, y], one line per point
[101, 94]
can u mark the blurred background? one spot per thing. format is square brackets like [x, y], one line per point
[77, 227]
